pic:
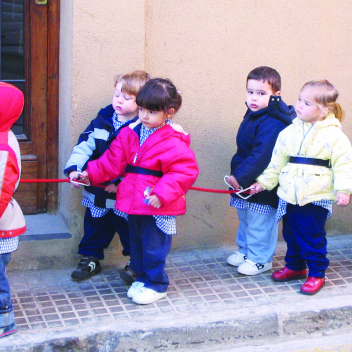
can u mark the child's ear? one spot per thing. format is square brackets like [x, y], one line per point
[278, 92]
[324, 112]
[170, 112]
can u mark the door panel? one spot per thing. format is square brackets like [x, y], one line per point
[29, 60]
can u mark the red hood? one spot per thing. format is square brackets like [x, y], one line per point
[11, 105]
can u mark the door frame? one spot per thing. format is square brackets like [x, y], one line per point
[42, 98]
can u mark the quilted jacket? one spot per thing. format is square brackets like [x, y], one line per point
[255, 139]
[166, 150]
[92, 143]
[12, 221]
[302, 184]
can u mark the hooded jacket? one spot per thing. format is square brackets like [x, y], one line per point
[255, 139]
[302, 184]
[12, 221]
[166, 150]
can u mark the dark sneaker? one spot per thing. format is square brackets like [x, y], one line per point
[87, 267]
[7, 330]
[127, 274]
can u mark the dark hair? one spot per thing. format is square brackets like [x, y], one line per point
[159, 94]
[266, 74]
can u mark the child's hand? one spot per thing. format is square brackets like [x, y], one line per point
[256, 188]
[343, 199]
[84, 177]
[74, 175]
[154, 201]
[111, 188]
[233, 182]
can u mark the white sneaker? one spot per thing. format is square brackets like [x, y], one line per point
[251, 268]
[147, 295]
[236, 259]
[136, 286]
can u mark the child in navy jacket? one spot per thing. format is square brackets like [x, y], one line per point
[101, 220]
[266, 117]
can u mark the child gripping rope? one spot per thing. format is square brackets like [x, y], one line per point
[158, 166]
[312, 164]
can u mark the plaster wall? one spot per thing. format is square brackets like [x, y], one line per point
[99, 39]
[207, 48]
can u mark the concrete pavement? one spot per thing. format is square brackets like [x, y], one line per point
[208, 304]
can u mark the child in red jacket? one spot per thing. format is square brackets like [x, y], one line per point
[158, 167]
[12, 223]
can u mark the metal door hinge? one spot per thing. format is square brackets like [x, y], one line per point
[41, 2]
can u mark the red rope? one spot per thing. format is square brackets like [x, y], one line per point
[214, 190]
[46, 180]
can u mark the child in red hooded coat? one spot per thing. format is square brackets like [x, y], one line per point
[12, 222]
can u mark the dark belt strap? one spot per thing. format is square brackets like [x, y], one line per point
[142, 170]
[309, 161]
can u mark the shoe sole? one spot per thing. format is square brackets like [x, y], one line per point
[299, 277]
[89, 275]
[253, 274]
[151, 301]
[8, 333]
[312, 293]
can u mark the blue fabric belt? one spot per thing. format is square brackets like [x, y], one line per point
[142, 170]
[309, 161]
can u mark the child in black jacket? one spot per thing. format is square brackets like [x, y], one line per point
[101, 219]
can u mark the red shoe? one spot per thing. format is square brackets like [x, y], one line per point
[313, 285]
[286, 274]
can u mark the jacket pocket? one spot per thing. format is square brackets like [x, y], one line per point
[318, 181]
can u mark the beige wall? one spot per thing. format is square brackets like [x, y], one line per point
[99, 39]
[207, 47]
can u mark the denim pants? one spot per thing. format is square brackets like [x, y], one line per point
[6, 309]
[257, 235]
[99, 232]
[149, 249]
[304, 233]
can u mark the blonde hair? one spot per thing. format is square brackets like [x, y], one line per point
[326, 96]
[133, 81]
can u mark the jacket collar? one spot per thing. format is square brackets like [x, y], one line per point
[330, 120]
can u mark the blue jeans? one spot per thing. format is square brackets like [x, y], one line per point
[6, 309]
[149, 248]
[257, 235]
[99, 232]
[304, 233]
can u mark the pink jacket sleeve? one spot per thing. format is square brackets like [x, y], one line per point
[110, 165]
[179, 175]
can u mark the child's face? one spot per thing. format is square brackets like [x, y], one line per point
[258, 94]
[153, 119]
[124, 104]
[307, 108]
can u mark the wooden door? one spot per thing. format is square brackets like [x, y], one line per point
[29, 60]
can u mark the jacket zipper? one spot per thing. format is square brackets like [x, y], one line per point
[300, 154]
[135, 158]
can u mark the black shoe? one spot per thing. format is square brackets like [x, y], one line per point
[87, 267]
[127, 274]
